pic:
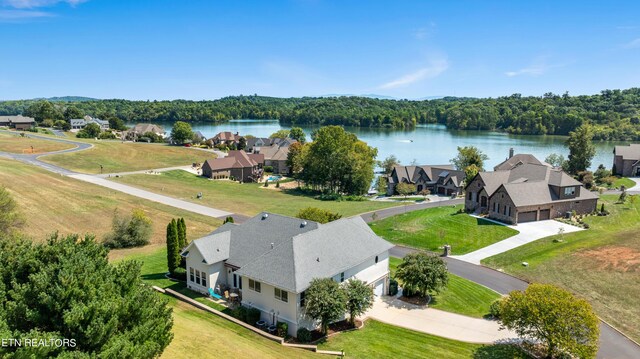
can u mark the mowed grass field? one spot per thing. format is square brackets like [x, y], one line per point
[246, 198]
[50, 202]
[14, 143]
[432, 228]
[461, 296]
[116, 156]
[601, 264]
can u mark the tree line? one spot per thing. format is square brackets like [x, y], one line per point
[614, 114]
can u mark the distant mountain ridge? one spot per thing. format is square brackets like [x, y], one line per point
[68, 99]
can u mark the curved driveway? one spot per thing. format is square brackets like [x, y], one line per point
[613, 345]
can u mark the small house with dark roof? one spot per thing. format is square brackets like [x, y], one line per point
[228, 138]
[527, 192]
[271, 260]
[626, 160]
[239, 165]
[18, 122]
[438, 179]
[275, 155]
[254, 142]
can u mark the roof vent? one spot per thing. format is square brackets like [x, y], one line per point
[318, 259]
[303, 224]
[271, 245]
[265, 215]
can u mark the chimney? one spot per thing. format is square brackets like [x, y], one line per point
[511, 152]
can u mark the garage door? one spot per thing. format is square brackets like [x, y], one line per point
[526, 216]
[545, 214]
[378, 290]
[449, 192]
[440, 190]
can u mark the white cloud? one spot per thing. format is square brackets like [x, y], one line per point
[17, 15]
[632, 44]
[538, 67]
[425, 32]
[31, 4]
[435, 68]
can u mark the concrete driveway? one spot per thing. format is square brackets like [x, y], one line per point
[396, 312]
[636, 188]
[529, 232]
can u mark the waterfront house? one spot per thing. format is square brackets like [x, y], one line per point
[78, 124]
[527, 192]
[228, 138]
[271, 259]
[141, 129]
[515, 160]
[276, 154]
[626, 160]
[439, 179]
[254, 142]
[239, 165]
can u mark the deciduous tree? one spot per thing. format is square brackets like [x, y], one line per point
[581, 149]
[318, 215]
[554, 317]
[421, 273]
[284, 133]
[298, 134]
[325, 301]
[388, 163]
[467, 156]
[181, 132]
[133, 230]
[405, 189]
[359, 298]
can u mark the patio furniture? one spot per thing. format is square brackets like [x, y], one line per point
[233, 297]
[213, 294]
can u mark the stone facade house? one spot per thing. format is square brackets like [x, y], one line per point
[626, 160]
[140, 129]
[440, 179]
[526, 193]
[270, 261]
[228, 138]
[276, 154]
[258, 142]
[239, 165]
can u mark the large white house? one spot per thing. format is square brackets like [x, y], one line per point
[272, 259]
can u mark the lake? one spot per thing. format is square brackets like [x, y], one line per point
[426, 144]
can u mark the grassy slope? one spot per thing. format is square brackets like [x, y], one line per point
[627, 183]
[16, 144]
[51, 202]
[423, 229]
[462, 296]
[601, 264]
[248, 198]
[376, 338]
[122, 157]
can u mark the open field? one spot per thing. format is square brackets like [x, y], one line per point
[116, 156]
[432, 228]
[51, 202]
[247, 198]
[15, 143]
[378, 340]
[461, 296]
[601, 264]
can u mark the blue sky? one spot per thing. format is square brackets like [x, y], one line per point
[189, 49]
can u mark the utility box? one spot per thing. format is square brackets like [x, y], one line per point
[447, 250]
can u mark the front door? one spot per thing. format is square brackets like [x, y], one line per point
[483, 201]
[638, 171]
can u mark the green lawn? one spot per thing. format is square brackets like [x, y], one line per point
[247, 198]
[432, 228]
[15, 143]
[116, 156]
[627, 183]
[461, 296]
[601, 264]
[378, 340]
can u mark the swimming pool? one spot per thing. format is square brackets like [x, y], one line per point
[273, 178]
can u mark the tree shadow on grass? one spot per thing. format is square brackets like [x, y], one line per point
[500, 351]
[484, 222]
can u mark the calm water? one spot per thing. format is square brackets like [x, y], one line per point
[426, 144]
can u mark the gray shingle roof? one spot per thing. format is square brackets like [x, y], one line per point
[516, 160]
[325, 252]
[412, 174]
[213, 248]
[630, 152]
[538, 193]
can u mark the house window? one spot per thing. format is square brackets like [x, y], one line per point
[376, 259]
[505, 210]
[204, 280]
[254, 285]
[191, 275]
[302, 298]
[341, 277]
[469, 196]
[197, 276]
[569, 191]
[281, 294]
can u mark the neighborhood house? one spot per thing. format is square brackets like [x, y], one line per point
[78, 124]
[226, 138]
[527, 192]
[275, 155]
[626, 160]
[270, 261]
[18, 122]
[442, 179]
[242, 166]
[139, 130]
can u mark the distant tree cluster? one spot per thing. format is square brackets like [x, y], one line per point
[614, 114]
[318, 215]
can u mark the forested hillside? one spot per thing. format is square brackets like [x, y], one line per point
[615, 114]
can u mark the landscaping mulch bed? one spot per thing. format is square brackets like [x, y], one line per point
[335, 328]
[417, 300]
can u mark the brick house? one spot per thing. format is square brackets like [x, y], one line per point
[626, 160]
[242, 166]
[527, 192]
[276, 154]
[441, 179]
[228, 138]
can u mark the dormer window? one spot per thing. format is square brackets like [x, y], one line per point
[569, 191]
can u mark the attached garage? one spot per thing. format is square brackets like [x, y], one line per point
[378, 288]
[527, 216]
[545, 214]
[441, 190]
[449, 192]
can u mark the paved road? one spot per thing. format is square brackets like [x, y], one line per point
[613, 345]
[388, 212]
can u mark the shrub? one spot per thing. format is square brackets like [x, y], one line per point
[253, 315]
[133, 230]
[266, 183]
[393, 286]
[179, 274]
[268, 169]
[240, 313]
[318, 215]
[304, 335]
[106, 135]
[494, 309]
[283, 329]
[354, 198]
[277, 184]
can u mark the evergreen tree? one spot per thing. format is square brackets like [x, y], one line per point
[581, 149]
[173, 250]
[182, 233]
